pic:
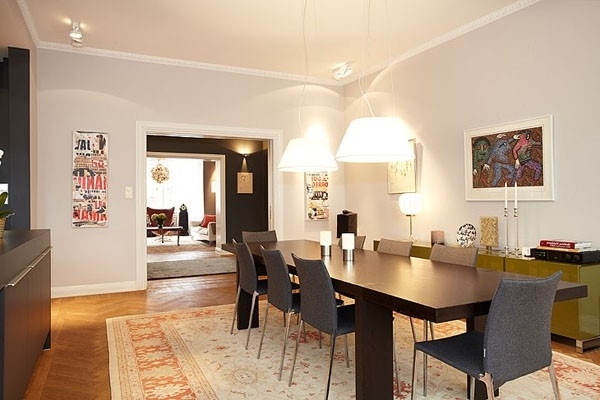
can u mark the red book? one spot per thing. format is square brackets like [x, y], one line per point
[565, 244]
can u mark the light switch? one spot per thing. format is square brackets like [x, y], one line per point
[128, 192]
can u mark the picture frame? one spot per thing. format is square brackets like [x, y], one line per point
[402, 175]
[89, 180]
[244, 183]
[491, 154]
[316, 196]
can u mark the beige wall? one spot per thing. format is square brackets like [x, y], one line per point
[82, 92]
[541, 60]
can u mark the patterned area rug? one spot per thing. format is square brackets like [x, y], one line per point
[191, 355]
[198, 267]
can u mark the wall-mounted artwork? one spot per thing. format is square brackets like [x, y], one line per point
[402, 175]
[89, 180]
[518, 152]
[317, 196]
[244, 183]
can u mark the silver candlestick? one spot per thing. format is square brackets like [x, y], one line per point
[516, 216]
[506, 248]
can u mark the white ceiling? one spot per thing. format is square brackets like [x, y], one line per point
[266, 37]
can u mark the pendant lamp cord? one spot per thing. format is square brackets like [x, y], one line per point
[305, 64]
[367, 16]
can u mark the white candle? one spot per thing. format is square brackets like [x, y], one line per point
[325, 238]
[348, 241]
[515, 194]
[505, 195]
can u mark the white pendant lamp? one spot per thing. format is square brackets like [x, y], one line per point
[304, 155]
[375, 140]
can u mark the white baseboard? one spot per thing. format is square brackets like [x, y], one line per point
[86, 290]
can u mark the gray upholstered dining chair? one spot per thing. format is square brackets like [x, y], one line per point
[320, 310]
[359, 242]
[248, 282]
[466, 256]
[454, 254]
[398, 248]
[516, 340]
[280, 295]
[259, 236]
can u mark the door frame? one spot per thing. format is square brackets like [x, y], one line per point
[147, 128]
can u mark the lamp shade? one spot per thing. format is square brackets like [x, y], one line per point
[303, 155]
[375, 140]
[410, 203]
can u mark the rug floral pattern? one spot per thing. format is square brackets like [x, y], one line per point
[191, 355]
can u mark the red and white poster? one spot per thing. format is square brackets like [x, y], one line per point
[90, 173]
[317, 196]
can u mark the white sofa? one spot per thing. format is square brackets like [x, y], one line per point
[206, 234]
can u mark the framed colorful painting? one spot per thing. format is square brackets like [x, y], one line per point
[517, 152]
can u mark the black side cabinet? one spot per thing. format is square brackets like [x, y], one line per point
[25, 314]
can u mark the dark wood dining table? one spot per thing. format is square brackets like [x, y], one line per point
[382, 283]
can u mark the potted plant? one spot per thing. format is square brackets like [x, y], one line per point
[4, 212]
[159, 219]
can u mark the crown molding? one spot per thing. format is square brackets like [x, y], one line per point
[485, 20]
[460, 31]
[184, 63]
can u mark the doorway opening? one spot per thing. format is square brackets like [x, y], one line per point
[144, 129]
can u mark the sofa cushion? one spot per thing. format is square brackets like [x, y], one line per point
[207, 219]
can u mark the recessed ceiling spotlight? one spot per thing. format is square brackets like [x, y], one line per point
[341, 72]
[76, 35]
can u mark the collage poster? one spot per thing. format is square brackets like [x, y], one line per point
[317, 196]
[90, 172]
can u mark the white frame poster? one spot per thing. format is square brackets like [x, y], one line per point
[90, 179]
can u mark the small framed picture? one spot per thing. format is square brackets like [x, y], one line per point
[402, 175]
[244, 182]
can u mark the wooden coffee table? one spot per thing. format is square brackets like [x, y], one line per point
[161, 231]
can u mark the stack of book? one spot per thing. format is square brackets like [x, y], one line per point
[566, 245]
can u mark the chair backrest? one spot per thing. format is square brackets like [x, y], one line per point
[259, 236]
[396, 247]
[359, 242]
[247, 270]
[169, 212]
[280, 286]
[454, 255]
[318, 305]
[517, 333]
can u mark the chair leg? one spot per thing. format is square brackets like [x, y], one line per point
[396, 372]
[254, 296]
[413, 382]
[412, 328]
[489, 385]
[472, 388]
[262, 336]
[554, 382]
[295, 352]
[425, 361]
[347, 356]
[237, 299]
[331, 353]
[285, 338]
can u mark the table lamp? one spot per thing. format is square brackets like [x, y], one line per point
[325, 240]
[348, 246]
[410, 205]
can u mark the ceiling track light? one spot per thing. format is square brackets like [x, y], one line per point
[341, 72]
[76, 35]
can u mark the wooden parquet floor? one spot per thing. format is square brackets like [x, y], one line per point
[76, 367]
